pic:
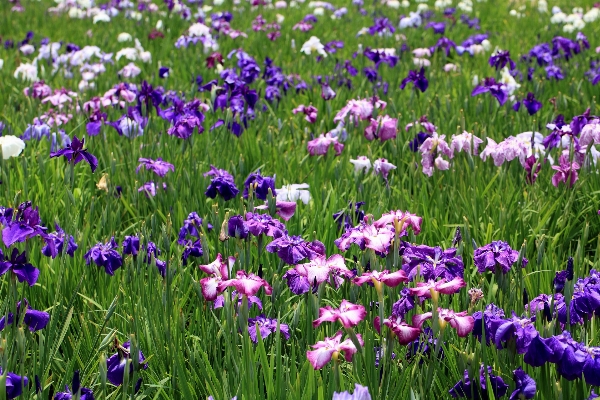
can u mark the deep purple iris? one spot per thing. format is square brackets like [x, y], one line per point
[500, 59]
[496, 255]
[34, 319]
[222, 183]
[266, 326]
[237, 227]
[105, 255]
[348, 217]
[532, 104]
[18, 265]
[417, 78]
[465, 388]
[116, 364]
[259, 224]
[293, 249]
[55, 243]
[432, 262]
[22, 225]
[259, 185]
[490, 85]
[68, 394]
[75, 153]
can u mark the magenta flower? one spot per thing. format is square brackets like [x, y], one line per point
[331, 347]
[432, 150]
[462, 321]
[404, 217]
[565, 172]
[391, 279]
[359, 110]
[310, 112]
[348, 314]
[382, 128]
[426, 289]
[367, 236]
[321, 269]
[320, 145]
[403, 331]
[219, 272]
[246, 284]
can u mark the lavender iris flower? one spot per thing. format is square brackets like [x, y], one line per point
[116, 363]
[75, 153]
[554, 71]
[158, 166]
[18, 265]
[432, 262]
[496, 255]
[105, 255]
[55, 243]
[465, 388]
[25, 224]
[266, 326]
[293, 249]
[490, 85]
[222, 183]
[259, 224]
[130, 125]
[418, 140]
[68, 394]
[360, 393]
[418, 79]
[261, 185]
[34, 319]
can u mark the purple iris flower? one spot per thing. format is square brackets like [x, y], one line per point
[259, 224]
[542, 53]
[14, 384]
[293, 249]
[266, 326]
[115, 364]
[487, 322]
[432, 262]
[370, 73]
[495, 89]
[163, 72]
[75, 153]
[500, 59]
[55, 243]
[438, 27]
[360, 392]
[563, 47]
[554, 71]
[579, 121]
[185, 125]
[465, 388]
[222, 183]
[298, 284]
[522, 330]
[152, 252]
[95, 123]
[68, 394]
[130, 125]
[539, 351]
[131, 245]
[444, 44]
[191, 226]
[496, 255]
[418, 79]
[18, 264]
[382, 26]
[105, 255]
[191, 248]
[380, 56]
[158, 166]
[260, 184]
[532, 104]
[418, 140]
[25, 224]
[559, 281]
[525, 387]
[34, 319]
[237, 228]
[406, 303]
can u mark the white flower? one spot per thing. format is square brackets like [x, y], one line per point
[11, 146]
[451, 67]
[313, 44]
[578, 24]
[361, 163]
[218, 2]
[319, 11]
[27, 49]
[558, 18]
[159, 25]
[475, 80]
[130, 71]
[486, 45]
[568, 28]
[280, 4]
[395, 4]
[129, 53]
[124, 37]
[199, 30]
[422, 7]
[85, 3]
[542, 6]
[280, 18]
[26, 72]
[509, 81]
[101, 17]
[1, 63]
[294, 192]
[421, 62]
[421, 52]
[75, 12]
[84, 85]
[405, 4]
[591, 15]
[146, 56]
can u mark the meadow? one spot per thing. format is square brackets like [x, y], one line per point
[299, 200]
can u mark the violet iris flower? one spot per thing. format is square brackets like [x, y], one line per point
[34, 319]
[68, 394]
[131, 245]
[237, 228]
[500, 59]
[418, 79]
[487, 322]
[346, 216]
[55, 243]
[105, 255]
[432, 262]
[525, 386]
[566, 171]
[293, 249]
[496, 255]
[116, 364]
[465, 388]
[95, 123]
[14, 384]
[444, 44]
[554, 71]
[222, 183]
[260, 184]
[360, 393]
[158, 166]
[131, 124]
[532, 104]
[259, 224]
[438, 27]
[151, 253]
[191, 226]
[18, 265]
[521, 330]
[266, 326]
[75, 153]
[23, 225]
[497, 90]
[405, 303]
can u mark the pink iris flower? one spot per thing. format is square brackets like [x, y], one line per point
[246, 284]
[320, 269]
[359, 110]
[402, 330]
[331, 347]
[320, 145]
[392, 279]
[219, 272]
[425, 289]
[383, 127]
[405, 217]
[348, 314]
[462, 322]
[565, 172]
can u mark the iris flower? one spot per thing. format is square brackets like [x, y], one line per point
[348, 314]
[331, 347]
[75, 153]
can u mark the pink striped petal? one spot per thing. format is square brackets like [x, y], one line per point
[320, 357]
[364, 278]
[214, 268]
[351, 314]
[210, 287]
[326, 314]
[423, 289]
[406, 333]
[393, 279]
[418, 319]
[450, 287]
